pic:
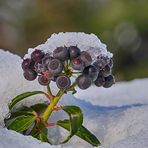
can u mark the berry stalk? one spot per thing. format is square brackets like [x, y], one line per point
[51, 106]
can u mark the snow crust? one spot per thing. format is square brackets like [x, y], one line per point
[86, 42]
[118, 116]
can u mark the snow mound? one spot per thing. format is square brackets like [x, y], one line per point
[86, 42]
[137, 141]
[15, 140]
[117, 116]
[118, 95]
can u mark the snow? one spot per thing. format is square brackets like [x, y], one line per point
[15, 140]
[86, 42]
[117, 95]
[118, 116]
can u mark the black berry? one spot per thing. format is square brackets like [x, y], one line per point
[37, 55]
[61, 53]
[77, 64]
[74, 51]
[100, 81]
[101, 62]
[63, 82]
[47, 58]
[26, 64]
[106, 71]
[92, 71]
[30, 74]
[39, 67]
[109, 81]
[55, 66]
[86, 58]
[83, 81]
[43, 80]
[110, 63]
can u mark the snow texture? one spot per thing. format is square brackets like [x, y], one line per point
[86, 42]
[117, 95]
[118, 116]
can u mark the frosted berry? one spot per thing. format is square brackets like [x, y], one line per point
[47, 58]
[63, 82]
[30, 74]
[77, 64]
[86, 58]
[27, 63]
[109, 81]
[37, 55]
[74, 51]
[106, 71]
[92, 71]
[55, 66]
[110, 63]
[61, 53]
[84, 81]
[43, 80]
[101, 62]
[39, 67]
[100, 81]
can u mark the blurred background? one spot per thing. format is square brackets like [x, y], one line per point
[121, 24]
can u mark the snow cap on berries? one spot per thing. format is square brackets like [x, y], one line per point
[86, 42]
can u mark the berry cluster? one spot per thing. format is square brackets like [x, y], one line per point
[66, 62]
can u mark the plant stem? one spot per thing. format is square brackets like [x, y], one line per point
[52, 104]
[49, 92]
[76, 72]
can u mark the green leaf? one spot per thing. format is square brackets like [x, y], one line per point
[76, 120]
[21, 123]
[82, 132]
[43, 137]
[23, 96]
[39, 108]
[13, 115]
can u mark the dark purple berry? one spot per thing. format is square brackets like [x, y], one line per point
[27, 63]
[100, 81]
[55, 66]
[39, 67]
[77, 64]
[110, 63]
[86, 58]
[101, 62]
[47, 58]
[30, 75]
[84, 81]
[106, 71]
[37, 55]
[43, 80]
[92, 71]
[61, 53]
[74, 51]
[109, 81]
[63, 82]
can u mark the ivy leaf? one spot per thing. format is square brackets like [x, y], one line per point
[20, 123]
[76, 120]
[43, 137]
[82, 132]
[23, 96]
[39, 108]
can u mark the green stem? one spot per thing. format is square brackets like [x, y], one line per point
[52, 104]
[76, 72]
[49, 92]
